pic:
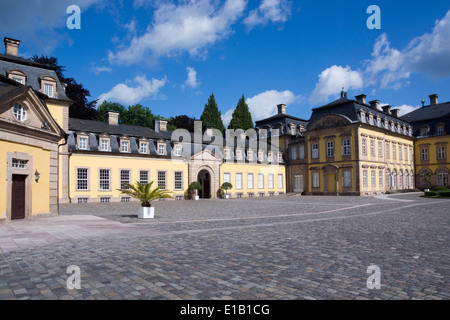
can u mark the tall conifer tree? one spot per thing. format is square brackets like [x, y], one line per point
[211, 116]
[242, 118]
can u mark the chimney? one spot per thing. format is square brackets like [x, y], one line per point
[387, 109]
[375, 104]
[434, 99]
[11, 46]
[361, 99]
[156, 125]
[281, 109]
[160, 125]
[113, 118]
[395, 112]
[209, 132]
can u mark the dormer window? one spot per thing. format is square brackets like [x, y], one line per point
[104, 144]
[238, 154]
[250, 155]
[440, 129]
[379, 121]
[386, 124]
[125, 145]
[17, 76]
[280, 157]
[363, 116]
[48, 86]
[424, 131]
[260, 156]
[270, 156]
[161, 149]
[177, 150]
[293, 129]
[371, 118]
[226, 153]
[143, 147]
[83, 141]
[393, 126]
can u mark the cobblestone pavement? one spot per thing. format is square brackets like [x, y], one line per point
[274, 248]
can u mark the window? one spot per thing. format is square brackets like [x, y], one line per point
[124, 179]
[400, 179]
[315, 150]
[250, 155]
[19, 80]
[424, 131]
[372, 148]
[374, 178]
[440, 131]
[178, 180]
[302, 152]
[82, 200]
[260, 156]
[143, 177]
[411, 180]
[379, 121]
[262, 194]
[294, 153]
[364, 147]
[20, 112]
[425, 178]
[82, 143]
[82, 179]
[406, 153]
[424, 154]
[260, 181]
[380, 178]
[411, 154]
[48, 89]
[19, 164]
[125, 146]
[280, 181]
[280, 157]
[251, 195]
[365, 183]
[346, 147]
[125, 199]
[394, 152]
[441, 152]
[104, 179]
[347, 178]
[400, 152]
[394, 179]
[227, 177]
[104, 145]
[162, 180]
[271, 182]
[388, 151]
[144, 148]
[270, 156]
[161, 149]
[315, 180]
[226, 153]
[380, 149]
[330, 149]
[238, 180]
[105, 200]
[388, 179]
[178, 198]
[250, 183]
[178, 150]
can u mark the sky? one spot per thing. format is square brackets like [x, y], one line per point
[171, 56]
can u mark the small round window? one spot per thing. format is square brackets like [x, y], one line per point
[20, 112]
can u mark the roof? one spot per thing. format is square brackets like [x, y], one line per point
[34, 71]
[350, 109]
[429, 116]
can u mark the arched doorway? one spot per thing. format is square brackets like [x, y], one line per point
[298, 183]
[204, 177]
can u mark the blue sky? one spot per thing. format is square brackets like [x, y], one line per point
[171, 55]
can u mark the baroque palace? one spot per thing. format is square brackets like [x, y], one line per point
[347, 147]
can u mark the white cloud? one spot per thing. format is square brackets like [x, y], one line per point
[404, 109]
[130, 95]
[332, 80]
[191, 27]
[98, 70]
[191, 80]
[269, 11]
[428, 54]
[264, 105]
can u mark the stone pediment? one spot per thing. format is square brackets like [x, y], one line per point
[37, 118]
[329, 121]
[205, 156]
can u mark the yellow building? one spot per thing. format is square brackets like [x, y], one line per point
[431, 127]
[351, 147]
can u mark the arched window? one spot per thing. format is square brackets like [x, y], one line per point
[20, 113]
[388, 179]
[400, 179]
[411, 179]
[442, 177]
[425, 178]
[406, 180]
[394, 179]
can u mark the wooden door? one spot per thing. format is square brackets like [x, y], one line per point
[18, 197]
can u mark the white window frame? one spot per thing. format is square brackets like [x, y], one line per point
[346, 147]
[330, 149]
[238, 181]
[125, 178]
[144, 177]
[280, 180]
[83, 179]
[270, 183]
[250, 181]
[260, 181]
[20, 112]
[314, 151]
[104, 180]
[162, 179]
[178, 180]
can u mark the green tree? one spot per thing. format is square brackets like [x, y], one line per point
[242, 118]
[211, 116]
[105, 106]
[138, 115]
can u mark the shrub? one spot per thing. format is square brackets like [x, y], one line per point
[440, 189]
[430, 194]
[445, 193]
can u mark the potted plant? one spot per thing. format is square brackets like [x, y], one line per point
[194, 187]
[145, 194]
[226, 186]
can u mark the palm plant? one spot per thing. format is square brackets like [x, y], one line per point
[145, 193]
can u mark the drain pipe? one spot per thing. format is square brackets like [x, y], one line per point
[66, 140]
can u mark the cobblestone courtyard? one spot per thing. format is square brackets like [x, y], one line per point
[273, 248]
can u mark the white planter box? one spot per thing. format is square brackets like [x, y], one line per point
[146, 213]
[196, 197]
[226, 196]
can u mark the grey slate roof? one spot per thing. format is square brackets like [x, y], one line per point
[350, 109]
[281, 121]
[34, 72]
[429, 116]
